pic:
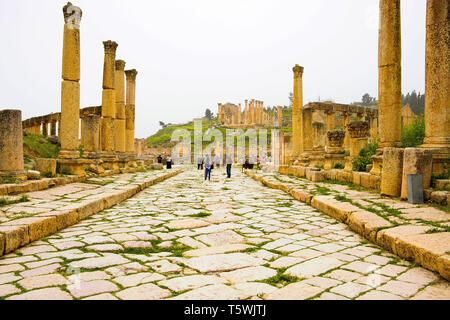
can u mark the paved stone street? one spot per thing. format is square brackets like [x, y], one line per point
[225, 239]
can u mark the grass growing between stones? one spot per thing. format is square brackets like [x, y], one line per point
[177, 250]
[200, 215]
[5, 202]
[281, 278]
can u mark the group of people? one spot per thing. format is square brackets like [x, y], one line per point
[208, 163]
[168, 161]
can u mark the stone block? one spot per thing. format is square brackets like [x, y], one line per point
[2, 244]
[334, 208]
[442, 184]
[416, 161]
[38, 227]
[108, 103]
[365, 179]
[375, 182]
[440, 197]
[47, 167]
[317, 176]
[301, 195]
[391, 177]
[357, 178]
[15, 237]
[424, 248]
[367, 223]
[64, 218]
[443, 265]
[388, 238]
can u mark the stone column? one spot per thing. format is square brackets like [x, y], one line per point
[70, 87]
[307, 132]
[246, 112]
[330, 121]
[373, 127]
[45, 129]
[53, 127]
[220, 114]
[251, 112]
[347, 136]
[389, 74]
[90, 125]
[69, 155]
[119, 121]
[437, 83]
[280, 116]
[130, 110]
[297, 105]
[108, 100]
[359, 132]
[11, 144]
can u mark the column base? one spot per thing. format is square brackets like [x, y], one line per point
[69, 154]
[332, 159]
[441, 158]
[317, 159]
[348, 164]
[377, 160]
[74, 166]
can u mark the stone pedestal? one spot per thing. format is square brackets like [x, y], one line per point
[74, 166]
[391, 177]
[358, 131]
[335, 150]
[11, 144]
[416, 161]
[90, 125]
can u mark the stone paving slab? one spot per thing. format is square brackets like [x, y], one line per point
[17, 230]
[93, 258]
[412, 232]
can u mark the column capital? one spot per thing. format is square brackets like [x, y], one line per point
[298, 70]
[120, 65]
[110, 46]
[131, 74]
[72, 15]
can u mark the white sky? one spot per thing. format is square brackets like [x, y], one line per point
[190, 55]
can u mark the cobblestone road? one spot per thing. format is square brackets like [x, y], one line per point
[224, 239]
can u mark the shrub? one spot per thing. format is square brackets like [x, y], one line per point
[365, 157]
[413, 133]
[338, 166]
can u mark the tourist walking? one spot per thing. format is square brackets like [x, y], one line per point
[169, 163]
[229, 161]
[199, 163]
[208, 168]
[159, 159]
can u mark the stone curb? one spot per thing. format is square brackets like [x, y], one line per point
[407, 241]
[20, 232]
[45, 183]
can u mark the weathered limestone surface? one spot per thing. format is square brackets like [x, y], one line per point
[416, 161]
[389, 74]
[297, 106]
[296, 237]
[11, 145]
[391, 177]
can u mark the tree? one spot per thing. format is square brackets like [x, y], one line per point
[162, 124]
[208, 114]
[367, 99]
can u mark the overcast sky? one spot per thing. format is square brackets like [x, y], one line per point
[190, 55]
